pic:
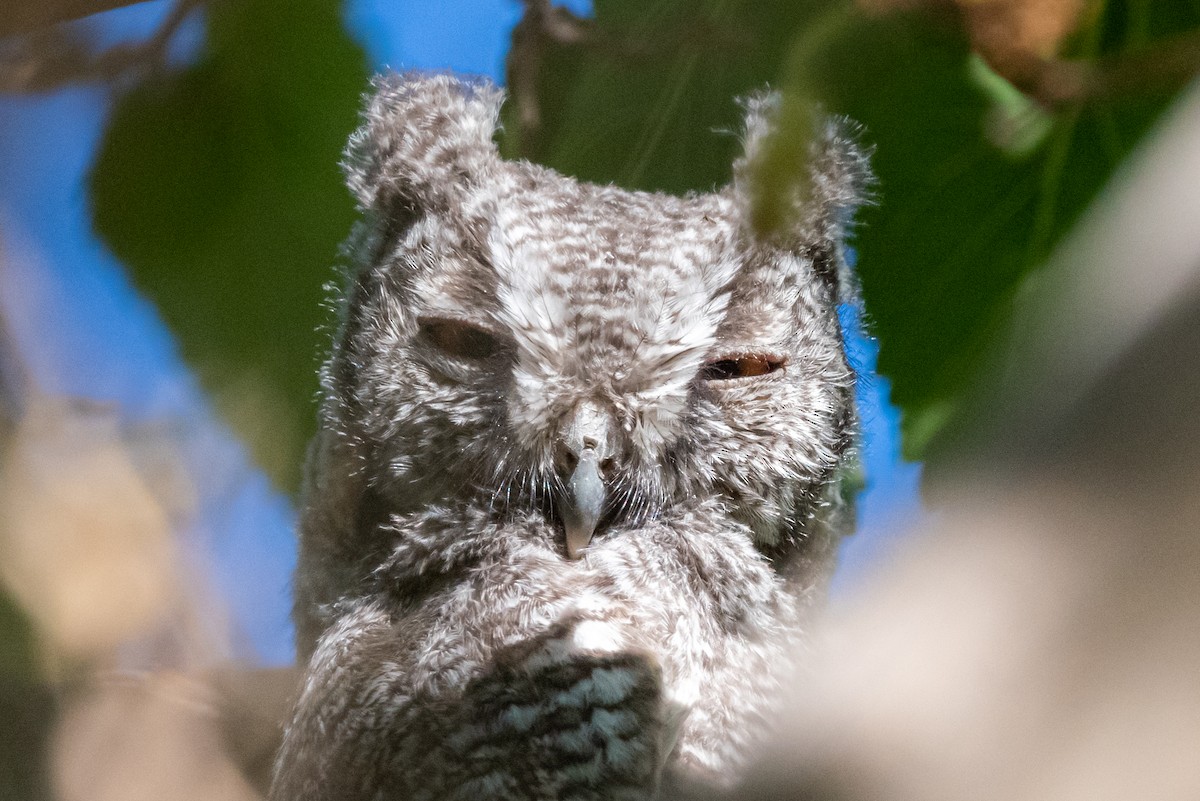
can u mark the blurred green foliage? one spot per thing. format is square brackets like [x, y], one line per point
[218, 186]
[26, 709]
[961, 221]
[960, 217]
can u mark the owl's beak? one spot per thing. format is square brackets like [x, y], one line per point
[582, 512]
[587, 448]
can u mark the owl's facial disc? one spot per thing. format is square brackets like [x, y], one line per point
[586, 451]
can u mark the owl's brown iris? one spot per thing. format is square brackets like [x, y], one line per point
[748, 366]
[460, 340]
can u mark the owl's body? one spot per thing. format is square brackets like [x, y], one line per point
[576, 486]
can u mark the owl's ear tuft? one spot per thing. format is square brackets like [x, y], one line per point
[421, 138]
[801, 179]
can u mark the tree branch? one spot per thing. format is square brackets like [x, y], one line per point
[26, 16]
[15, 381]
[541, 26]
[49, 58]
[1170, 62]
[545, 26]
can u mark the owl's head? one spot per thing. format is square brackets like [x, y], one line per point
[521, 340]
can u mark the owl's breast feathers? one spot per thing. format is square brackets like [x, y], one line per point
[689, 604]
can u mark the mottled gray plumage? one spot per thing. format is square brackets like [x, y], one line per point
[532, 369]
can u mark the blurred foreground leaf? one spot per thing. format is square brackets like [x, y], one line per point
[219, 189]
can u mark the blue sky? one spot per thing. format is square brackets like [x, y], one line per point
[85, 332]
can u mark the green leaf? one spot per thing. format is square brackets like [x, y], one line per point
[27, 712]
[219, 189]
[19, 657]
[962, 217]
[964, 211]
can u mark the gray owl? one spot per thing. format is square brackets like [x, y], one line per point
[576, 487]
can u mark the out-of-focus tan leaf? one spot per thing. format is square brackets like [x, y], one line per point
[146, 739]
[85, 546]
[235, 247]
[255, 705]
[1041, 646]
[94, 575]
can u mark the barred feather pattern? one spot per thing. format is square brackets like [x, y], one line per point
[454, 648]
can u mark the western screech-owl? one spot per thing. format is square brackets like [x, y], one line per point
[576, 485]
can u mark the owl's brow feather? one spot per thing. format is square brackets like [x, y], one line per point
[539, 297]
[645, 336]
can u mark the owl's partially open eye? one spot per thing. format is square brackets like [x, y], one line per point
[746, 366]
[459, 339]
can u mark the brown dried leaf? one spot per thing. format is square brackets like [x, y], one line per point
[1015, 37]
